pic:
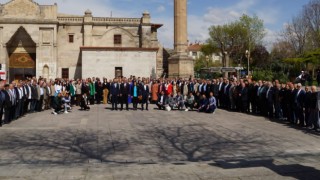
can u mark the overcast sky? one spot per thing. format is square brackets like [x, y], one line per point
[201, 13]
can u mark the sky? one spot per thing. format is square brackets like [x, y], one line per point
[201, 14]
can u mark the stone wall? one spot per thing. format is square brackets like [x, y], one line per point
[96, 63]
[50, 33]
[69, 53]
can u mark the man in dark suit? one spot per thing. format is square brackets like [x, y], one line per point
[215, 89]
[144, 89]
[7, 104]
[270, 100]
[115, 92]
[243, 96]
[34, 97]
[226, 92]
[2, 101]
[124, 93]
[252, 93]
[221, 90]
[298, 105]
[190, 87]
[208, 89]
[162, 101]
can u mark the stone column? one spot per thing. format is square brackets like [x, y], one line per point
[180, 64]
[87, 26]
[180, 26]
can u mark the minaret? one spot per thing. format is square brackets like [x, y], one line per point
[180, 64]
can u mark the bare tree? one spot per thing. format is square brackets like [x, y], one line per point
[311, 16]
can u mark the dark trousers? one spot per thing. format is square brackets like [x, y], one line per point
[40, 104]
[217, 99]
[91, 99]
[135, 102]
[187, 105]
[160, 106]
[144, 101]
[23, 101]
[98, 97]
[277, 110]
[124, 100]
[211, 109]
[114, 101]
[299, 116]
[306, 117]
[33, 104]
[1, 114]
[244, 106]
[270, 109]
[78, 99]
[12, 112]
[26, 105]
[7, 117]
[18, 109]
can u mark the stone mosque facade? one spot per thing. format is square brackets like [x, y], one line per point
[36, 40]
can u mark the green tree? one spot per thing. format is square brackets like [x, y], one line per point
[237, 37]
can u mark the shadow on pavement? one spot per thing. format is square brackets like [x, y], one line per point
[176, 144]
[296, 171]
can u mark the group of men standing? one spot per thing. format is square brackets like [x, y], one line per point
[19, 98]
[287, 101]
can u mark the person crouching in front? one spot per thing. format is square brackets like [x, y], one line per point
[66, 99]
[190, 102]
[162, 101]
[57, 104]
[203, 103]
[212, 104]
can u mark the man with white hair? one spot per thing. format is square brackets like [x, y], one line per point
[298, 105]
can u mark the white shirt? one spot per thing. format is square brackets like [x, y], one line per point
[20, 92]
[57, 88]
[49, 90]
[29, 88]
[41, 91]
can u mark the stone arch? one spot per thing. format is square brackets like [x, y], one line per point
[45, 72]
[21, 51]
[128, 39]
[121, 29]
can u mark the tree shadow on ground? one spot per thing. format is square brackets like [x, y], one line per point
[58, 147]
[193, 142]
[296, 171]
[175, 143]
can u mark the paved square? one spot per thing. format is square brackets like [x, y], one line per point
[104, 144]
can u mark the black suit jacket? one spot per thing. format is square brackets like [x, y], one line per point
[114, 89]
[165, 99]
[244, 94]
[7, 102]
[144, 92]
[125, 90]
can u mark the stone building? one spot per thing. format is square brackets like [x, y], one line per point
[36, 40]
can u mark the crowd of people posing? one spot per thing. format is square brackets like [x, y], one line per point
[270, 99]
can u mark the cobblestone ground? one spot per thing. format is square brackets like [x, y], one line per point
[104, 144]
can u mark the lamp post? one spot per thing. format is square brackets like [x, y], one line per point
[248, 57]
[207, 61]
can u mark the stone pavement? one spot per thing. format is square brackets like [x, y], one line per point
[104, 144]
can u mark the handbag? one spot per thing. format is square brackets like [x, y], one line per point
[129, 100]
[140, 98]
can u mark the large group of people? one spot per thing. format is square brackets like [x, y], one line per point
[287, 101]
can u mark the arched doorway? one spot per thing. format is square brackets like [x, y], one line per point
[22, 55]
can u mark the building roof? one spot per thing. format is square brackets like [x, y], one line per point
[194, 47]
